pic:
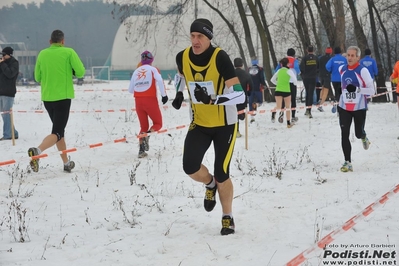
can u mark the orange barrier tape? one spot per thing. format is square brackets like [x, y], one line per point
[166, 88]
[76, 90]
[68, 151]
[90, 146]
[142, 135]
[301, 258]
[95, 145]
[81, 111]
[120, 140]
[72, 111]
[184, 105]
[7, 162]
[91, 90]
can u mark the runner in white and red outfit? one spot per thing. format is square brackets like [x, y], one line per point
[356, 85]
[143, 86]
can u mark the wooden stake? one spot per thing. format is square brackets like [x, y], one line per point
[12, 127]
[246, 129]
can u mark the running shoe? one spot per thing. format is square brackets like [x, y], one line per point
[347, 167]
[34, 163]
[228, 226]
[69, 166]
[334, 109]
[142, 152]
[210, 198]
[366, 143]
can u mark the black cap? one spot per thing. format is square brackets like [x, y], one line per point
[238, 62]
[291, 52]
[337, 50]
[310, 49]
[203, 26]
[7, 50]
[367, 51]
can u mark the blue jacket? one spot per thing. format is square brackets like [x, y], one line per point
[370, 64]
[333, 64]
[258, 77]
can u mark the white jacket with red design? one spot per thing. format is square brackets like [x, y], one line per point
[144, 80]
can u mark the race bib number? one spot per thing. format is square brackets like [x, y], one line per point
[351, 99]
[350, 96]
[207, 86]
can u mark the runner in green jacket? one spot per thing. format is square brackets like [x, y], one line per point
[54, 70]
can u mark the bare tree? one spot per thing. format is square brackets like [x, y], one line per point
[297, 25]
[359, 33]
[326, 17]
[263, 38]
[247, 31]
[300, 23]
[381, 76]
[314, 27]
[387, 48]
[267, 32]
[340, 35]
[284, 30]
[232, 30]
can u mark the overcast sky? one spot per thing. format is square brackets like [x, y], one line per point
[10, 2]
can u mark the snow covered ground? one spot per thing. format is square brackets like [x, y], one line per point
[115, 209]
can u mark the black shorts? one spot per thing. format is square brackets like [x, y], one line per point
[283, 94]
[198, 141]
[59, 115]
[325, 82]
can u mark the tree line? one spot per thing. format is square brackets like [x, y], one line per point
[299, 23]
[89, 26]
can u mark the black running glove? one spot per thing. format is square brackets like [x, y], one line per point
[165, 99]
[351, 88]
[201, 95]
[178, 100]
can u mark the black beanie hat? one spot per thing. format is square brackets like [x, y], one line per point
[367, 51]
[203, 26]
[337, 50]
[238, 62]
[7, 50]
[291, 52]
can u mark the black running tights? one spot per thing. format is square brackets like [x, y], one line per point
[345, 122]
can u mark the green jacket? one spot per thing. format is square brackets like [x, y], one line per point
[282, 80]
[53, 70]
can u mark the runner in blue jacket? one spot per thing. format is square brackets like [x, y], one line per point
[332, 66]
[368, 62]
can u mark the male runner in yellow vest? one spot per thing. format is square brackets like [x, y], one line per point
[214, 91]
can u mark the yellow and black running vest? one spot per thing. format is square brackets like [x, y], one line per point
[207, 115]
